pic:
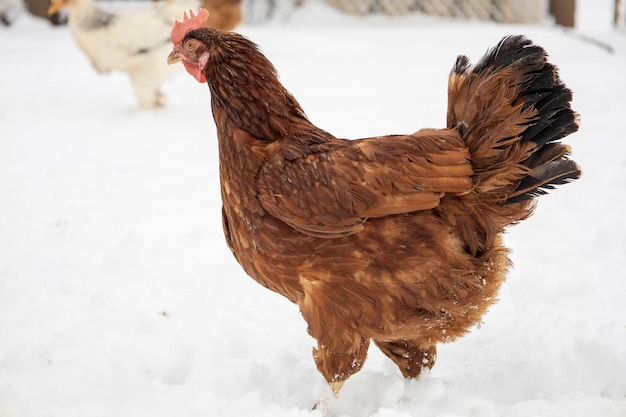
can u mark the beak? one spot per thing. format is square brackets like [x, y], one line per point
[55, 6]
[174, 56]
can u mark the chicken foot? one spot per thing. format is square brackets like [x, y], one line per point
[159, 100]
[324, 401]
[410, 356]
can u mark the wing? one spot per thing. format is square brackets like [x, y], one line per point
[333, 189]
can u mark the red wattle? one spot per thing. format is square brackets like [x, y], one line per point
[195, 72]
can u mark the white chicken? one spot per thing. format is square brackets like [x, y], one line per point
[9, 9]
[132, 41]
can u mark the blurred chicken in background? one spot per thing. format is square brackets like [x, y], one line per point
[225, 14]
[9, 10]
[135, 39]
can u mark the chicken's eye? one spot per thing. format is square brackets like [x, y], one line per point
[190, 45]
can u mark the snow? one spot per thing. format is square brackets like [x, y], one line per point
[118, 296]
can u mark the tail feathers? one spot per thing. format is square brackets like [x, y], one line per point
[543, 178]
[556, 119]
[512, 109]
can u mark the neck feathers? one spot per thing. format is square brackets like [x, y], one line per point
[244, 83]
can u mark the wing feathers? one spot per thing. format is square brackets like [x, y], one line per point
[331, 191]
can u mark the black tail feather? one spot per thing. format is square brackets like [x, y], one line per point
[544, 178]
[555, 120]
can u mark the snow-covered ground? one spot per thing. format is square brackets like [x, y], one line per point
[118, 296]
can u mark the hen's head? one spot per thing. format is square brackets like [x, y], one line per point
[193, 51]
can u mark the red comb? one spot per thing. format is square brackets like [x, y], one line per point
[188, 24]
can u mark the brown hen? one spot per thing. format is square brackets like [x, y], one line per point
[226, 14]
[394, 239]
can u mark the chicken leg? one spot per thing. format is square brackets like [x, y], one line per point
[337, 360]
[411, 356]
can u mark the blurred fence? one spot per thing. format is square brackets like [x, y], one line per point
[509, 11]
[522, 11]
[619, 13]
[506, 11]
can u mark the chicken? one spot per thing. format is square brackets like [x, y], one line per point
[9, 11]
[225, 14]
[130, 41]
[395, 240]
